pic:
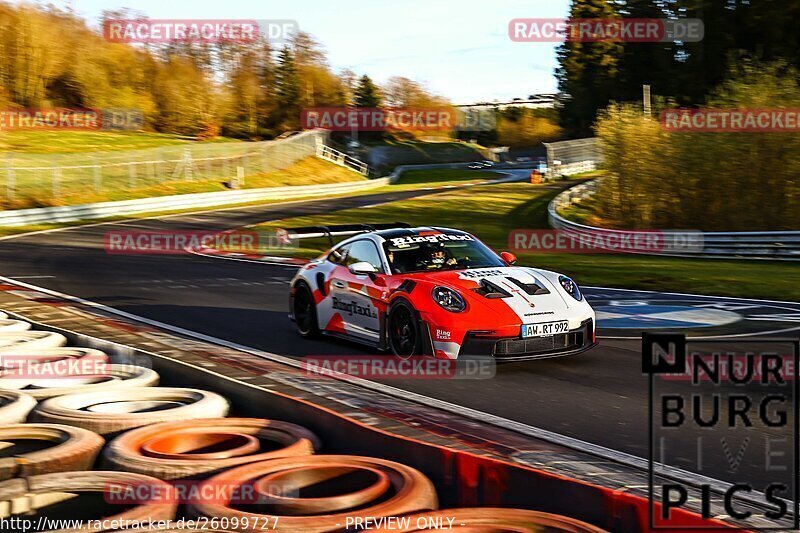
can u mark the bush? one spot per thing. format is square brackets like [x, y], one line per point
[708, 181]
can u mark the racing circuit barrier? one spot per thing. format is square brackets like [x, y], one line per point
[778, 245]
[382, 474]
[566, 158]
[52, 215]
[43, 176]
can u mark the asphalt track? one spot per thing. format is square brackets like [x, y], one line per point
[600, 396]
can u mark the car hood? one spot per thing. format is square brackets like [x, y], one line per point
[532, 292]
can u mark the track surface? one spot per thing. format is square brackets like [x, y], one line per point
[599, 396]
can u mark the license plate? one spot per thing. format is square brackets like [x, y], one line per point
[545, 329]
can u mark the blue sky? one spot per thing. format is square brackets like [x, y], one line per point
[459, 49]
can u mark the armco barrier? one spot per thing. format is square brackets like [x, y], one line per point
[462, 479]
[50, 215]
[780, 245]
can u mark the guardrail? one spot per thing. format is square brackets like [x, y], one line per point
[340, 158]
[51, 215]
[779, 245]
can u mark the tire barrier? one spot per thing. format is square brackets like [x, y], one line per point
[116, 410]
[175, 530]
[70, 449]
[51, 356]
[175, 450]
[24, 342]
[263, 473]
[105, 377]
[15, 406]
[81, 495]
[13, 326]
[488, 520]
[353, 487]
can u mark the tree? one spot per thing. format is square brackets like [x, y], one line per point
[587, 71]
[349, 83]
[645, 63]
[366, 93]
[287, 88]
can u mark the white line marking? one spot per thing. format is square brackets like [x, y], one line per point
[240, 259]
[693, 295]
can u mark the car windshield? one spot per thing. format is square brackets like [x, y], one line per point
[438, 252]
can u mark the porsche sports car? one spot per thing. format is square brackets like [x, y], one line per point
[436, 291]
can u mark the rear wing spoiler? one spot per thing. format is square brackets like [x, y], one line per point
[329, 232]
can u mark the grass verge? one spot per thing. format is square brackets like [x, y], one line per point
[309, 171]
[69, 142]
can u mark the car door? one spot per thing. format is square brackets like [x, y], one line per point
[357, 298]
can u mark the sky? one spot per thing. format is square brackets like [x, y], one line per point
[458, 49]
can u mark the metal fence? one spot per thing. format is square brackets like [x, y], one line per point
[783, 245]
[566, 158]
[340, 158]
[40, 177]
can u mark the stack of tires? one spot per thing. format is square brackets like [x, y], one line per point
[87, 439]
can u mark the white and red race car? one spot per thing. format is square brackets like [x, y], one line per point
[436, 291]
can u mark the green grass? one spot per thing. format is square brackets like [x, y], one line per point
[491, 212]
[68, 142]
[309, 171]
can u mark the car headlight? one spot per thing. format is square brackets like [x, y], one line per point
[571, 287]
[448, 299]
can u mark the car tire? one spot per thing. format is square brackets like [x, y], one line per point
[165, 450]
[72, 449]
[113, 377]
[26, 342]
[304, 310]
[9, 325]
[113, 411]
[403, 334]
[400, 490]
[15, 407]
[82, 491]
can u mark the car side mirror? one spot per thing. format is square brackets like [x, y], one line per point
[362, 268]
[508, 257]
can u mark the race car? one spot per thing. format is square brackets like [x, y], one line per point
[436, 291]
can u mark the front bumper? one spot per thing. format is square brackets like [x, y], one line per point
[517, 349]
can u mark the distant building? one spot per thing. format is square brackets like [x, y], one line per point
[535, 101]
